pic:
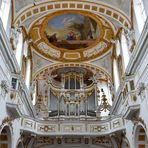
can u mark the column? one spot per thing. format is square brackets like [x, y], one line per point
[34, 92]
[81, 81]
[82, 106]
[78, 109]
[125, 50]
[28, 72]
[19, 48]
[69, 108]
[86, 104]
[75, 82]
[5, 9]
[69, 82]
[48, 97]
[96, 99]
[66, 109]
[116, 74]
[63, 81]
[58, 104]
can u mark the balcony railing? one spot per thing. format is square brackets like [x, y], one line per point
[42, 127]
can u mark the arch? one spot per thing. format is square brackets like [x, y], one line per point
[125, 143]
[96, 7]
[90, 67]
[20, 142]
[20, 145]
[6, 137]
[140, 137]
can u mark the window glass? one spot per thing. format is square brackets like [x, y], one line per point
[118, 48]
[124, 49]
[14, 83]
[140, 14]
[4, 12]
[19, 48]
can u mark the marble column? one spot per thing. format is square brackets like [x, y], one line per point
[49, 98]
[96, 99]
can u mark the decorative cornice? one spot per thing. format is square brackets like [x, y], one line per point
[56, 127]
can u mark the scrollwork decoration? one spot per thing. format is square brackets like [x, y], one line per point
[4, 87]
[141, 90]
[6, 120]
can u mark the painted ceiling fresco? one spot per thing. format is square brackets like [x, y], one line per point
[71, 31]
[71, 36]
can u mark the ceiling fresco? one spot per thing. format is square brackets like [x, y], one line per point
[85, 34]
[71, 36]
[71, 31]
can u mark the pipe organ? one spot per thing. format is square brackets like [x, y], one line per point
[71, 94]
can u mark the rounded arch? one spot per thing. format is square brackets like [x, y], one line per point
[20, 144]
[140, 136]
[125, 143]
[95, 69]
[96, 7]
[6, 137]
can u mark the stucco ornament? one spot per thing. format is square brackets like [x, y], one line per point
[4, 87]
[141, 90]
[130, 36]
[15, 31]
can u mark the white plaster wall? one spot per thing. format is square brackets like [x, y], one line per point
[141, 75]
[16, 132]
[145, 2]
[4, 75]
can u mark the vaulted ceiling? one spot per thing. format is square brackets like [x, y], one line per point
[105, 18]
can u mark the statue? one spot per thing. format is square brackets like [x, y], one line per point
[15, 31]
[130, 36]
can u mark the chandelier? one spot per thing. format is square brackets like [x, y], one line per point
[104, 104]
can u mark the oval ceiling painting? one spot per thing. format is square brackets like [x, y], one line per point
[71, 31]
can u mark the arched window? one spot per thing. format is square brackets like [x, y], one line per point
[4, 11]
[19, 48]
[5, 138]
[34, 93]
[141, 139]
[118, 48]
[0, 3]
[20, 145]
[125, 143]
[28, 72]
[140, 14]
[27, 64]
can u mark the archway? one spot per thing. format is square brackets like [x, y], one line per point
[125, 143]
[20, 145]
[5, 138]
[141, 139]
